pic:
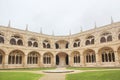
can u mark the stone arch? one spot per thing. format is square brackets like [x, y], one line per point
[109, 38]
[105, 36]
[12, 41]
[33, 57]
[106, 54]
[48, 58]
[61, 44]
[1, 37]
[89, 40]
[76, 43]
[102, 39]
[89, 56]
[46, 44]
[20, 42]
[119, 36]
[2, 56]
[75, 57]
[16, 39]
[32, 42]
[35, 44]
[16, 57]
[62, 59]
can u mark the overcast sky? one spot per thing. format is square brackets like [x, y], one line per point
[59, 16]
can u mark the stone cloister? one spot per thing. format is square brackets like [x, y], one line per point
[98, 47]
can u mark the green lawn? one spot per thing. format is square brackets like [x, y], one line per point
[19, 76]
[98, 75]
[29, 69]
[91, 68]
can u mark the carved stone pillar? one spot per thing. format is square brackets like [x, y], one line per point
[6, 61]
[25, 61]
[116, 58]
[82, 60]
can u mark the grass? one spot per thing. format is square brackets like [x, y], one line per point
[30, 69]
[19, 76]
[98, 75]
[91, 68]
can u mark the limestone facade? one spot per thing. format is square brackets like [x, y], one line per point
[99, 47]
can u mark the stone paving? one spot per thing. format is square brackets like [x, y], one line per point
[56, 76]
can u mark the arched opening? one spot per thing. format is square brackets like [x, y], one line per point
[62, 44]
[56, 45]
[107, 54]
[92, 41]
[1, 39]
[20, 42]
[119, 36]
[67, 45]
[87, 42]
[62, 59]
[109, 38]
[57, 60]
[75, 57]
[46, 44]
[102, 40]
[75, 45]
[78, 44]
[33, 58]
[89, 56]
[48, 58]
[35, 44]
[2, 55]
[32, 42]
[16, 57]
[16, 40]
[13, 41]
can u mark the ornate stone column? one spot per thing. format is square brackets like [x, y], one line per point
[6, 61]
[25, 61]
[70, 60]
[97, 57]
[116, 59]
[54, 60]
[82, 60]
[41, 61]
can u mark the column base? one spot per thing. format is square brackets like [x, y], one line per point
[5, 66]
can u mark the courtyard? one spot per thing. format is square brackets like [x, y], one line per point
[78, 74]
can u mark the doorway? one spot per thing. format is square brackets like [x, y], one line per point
[62, 59]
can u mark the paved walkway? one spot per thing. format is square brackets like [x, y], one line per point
[53, 76]
[56, 76]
